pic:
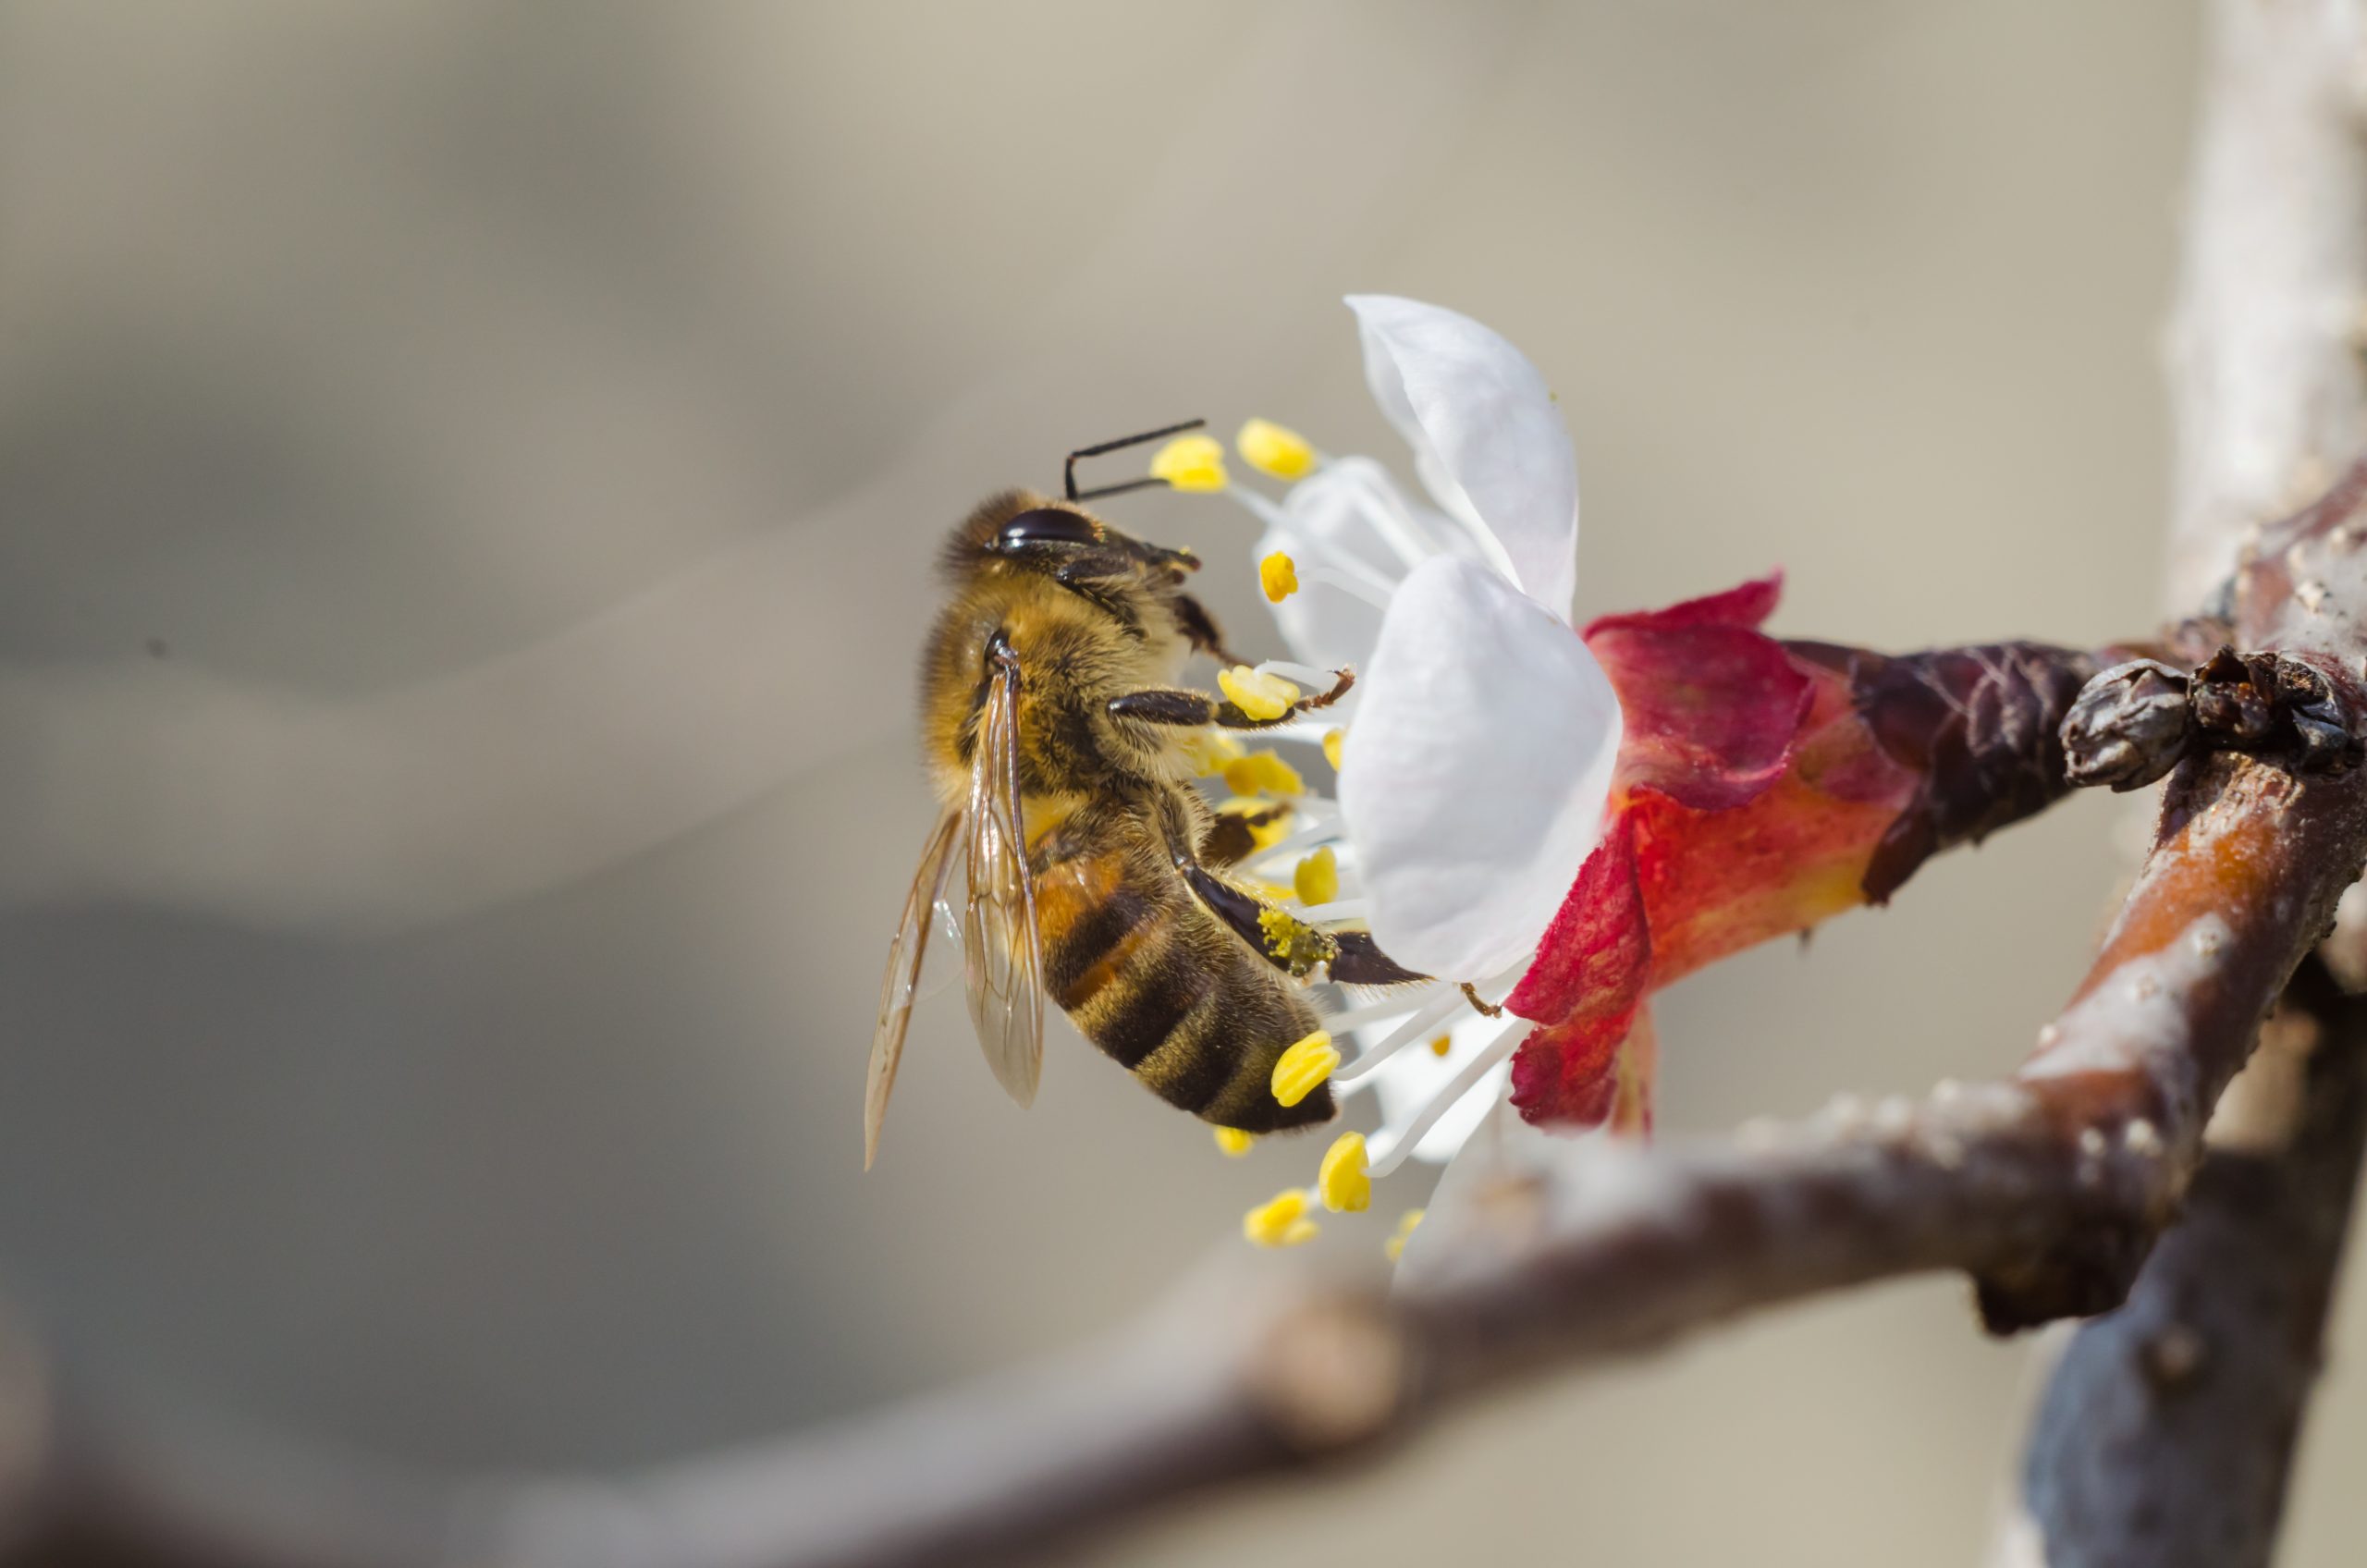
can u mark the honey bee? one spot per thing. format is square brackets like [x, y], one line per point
[1056, 737]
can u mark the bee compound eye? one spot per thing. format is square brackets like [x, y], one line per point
[1047, 525]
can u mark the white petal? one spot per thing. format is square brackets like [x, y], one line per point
[1340, 519]
[1475, 777]
[1487, 438]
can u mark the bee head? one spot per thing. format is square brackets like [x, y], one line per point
[1021, 532]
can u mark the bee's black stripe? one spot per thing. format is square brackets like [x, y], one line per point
[1094, 935]
[1196, 1062]
[1161, 996]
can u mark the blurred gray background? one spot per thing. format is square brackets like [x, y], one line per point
[467, 476]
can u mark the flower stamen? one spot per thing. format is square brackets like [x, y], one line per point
[1315, 880]
[1340, 1180]
[1463, 1083]
[1395, 1005]
[1425, 1017]
[1301, 1069]
[1190, 462]
[1258, 692]
[1281, 1221]
[1275, 449]
[1288, 671]
[1262, 772]
[1234, 1143]
[1209, 750]
[1278, 575]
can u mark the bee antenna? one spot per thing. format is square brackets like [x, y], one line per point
[1068, 472]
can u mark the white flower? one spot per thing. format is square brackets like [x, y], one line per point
[1482, 733]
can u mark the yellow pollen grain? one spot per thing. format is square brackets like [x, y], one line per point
[1278, 575]
[1316, 878]
[1340, 1180]
[1280, 1222]
[1301, 1070]
[1256, 693]
[1234, 1143]
[1276, 449]
[1190, 462]
[1333, 740]
[1262, 773]
[1442, 1045]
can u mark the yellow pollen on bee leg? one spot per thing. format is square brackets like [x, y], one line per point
[1303, 1067]
[1256, 693]
[1333, 740]
[1406, 1223]
[1262, 772]
[1442, 1045]
[1280, 1222]
[1190, 462]
[1340, 1180]
[1278, 575]
[1317, 879]
[1234, 1143]
[1276, 449]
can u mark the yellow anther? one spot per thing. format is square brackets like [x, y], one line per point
[1281, 1222]
[1190, 462]
[1234, 1142]
[1262, 773]
[1406, 1223]
[1304, 1067]
[1272, 449]
[1317, 879]
[1333, 740]
[1278, 574]
[1268, 824]
[1340, 1180]
[1209, 750]
[1256, 693]
[1442, 1045]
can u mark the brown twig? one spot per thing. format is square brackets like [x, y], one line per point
[2166, 1435]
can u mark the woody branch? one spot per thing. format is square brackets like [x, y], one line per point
[2168, 1433]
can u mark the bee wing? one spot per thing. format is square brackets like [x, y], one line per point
[1002, 957]
[922, 909]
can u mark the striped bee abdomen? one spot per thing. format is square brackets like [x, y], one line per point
[1152, 979]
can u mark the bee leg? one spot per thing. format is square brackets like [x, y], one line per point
[1199, 629]
[1162, 704]
[1281, 939]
